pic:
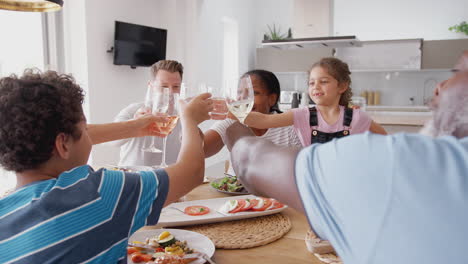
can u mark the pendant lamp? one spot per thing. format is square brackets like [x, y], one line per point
[31, 5]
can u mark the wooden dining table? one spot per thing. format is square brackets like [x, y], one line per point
[291, 248]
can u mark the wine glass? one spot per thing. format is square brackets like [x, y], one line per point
[220, 108]
[166, 104]
[240, 97]
[148, 106]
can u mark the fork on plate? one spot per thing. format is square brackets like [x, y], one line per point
[199, 255]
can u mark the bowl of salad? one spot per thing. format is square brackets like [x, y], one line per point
[229, 185]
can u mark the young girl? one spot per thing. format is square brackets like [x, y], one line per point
[329, 88]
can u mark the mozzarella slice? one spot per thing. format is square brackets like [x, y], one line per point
[228, 206]
[271, 206]
[247, 204]
[260, 203]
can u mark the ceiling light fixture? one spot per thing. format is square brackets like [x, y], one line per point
[31, 5]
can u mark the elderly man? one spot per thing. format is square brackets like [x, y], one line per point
[378, 199]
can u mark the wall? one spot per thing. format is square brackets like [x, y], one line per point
[312, 18]
[194, 37]
[269, 12]
[75, 45]
[112, 87]
[205, 52]
[399, 19]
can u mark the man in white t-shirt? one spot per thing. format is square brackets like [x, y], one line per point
[266, 90]
[168, 74]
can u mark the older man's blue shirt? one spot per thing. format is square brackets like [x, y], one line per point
[388, 199]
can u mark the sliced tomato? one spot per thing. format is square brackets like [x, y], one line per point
[266, 204]
[240, 206]
[131, 250]
[138, 257]
[196, 210]
[275, 204]
[253, 202]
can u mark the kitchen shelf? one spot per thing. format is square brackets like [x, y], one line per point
[401, 70]
[331, 42]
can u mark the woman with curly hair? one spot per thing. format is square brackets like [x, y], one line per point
[330, 89]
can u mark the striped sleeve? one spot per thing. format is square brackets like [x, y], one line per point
[82, 216]
[221, 126]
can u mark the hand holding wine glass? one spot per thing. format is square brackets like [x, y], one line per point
[240, 97]
[166, 104]
[197, 109]
[147, 109]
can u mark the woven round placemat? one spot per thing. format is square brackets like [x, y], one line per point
[256, 231]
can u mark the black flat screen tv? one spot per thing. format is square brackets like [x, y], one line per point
[138, 45]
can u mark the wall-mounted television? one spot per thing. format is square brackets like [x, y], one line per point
[138, 45]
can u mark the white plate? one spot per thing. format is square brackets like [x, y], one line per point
[195, 241]
[132, 168]
[244, 191]
[173, 214]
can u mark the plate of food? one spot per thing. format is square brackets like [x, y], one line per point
[218, 210]
[163, 244]
[130, 168]
[229, 185]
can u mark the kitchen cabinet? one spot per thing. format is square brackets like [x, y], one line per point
[442, 54]
[312, 18]
[404, 54]
[290, 60]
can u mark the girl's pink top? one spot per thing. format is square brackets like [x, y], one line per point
[361, 122]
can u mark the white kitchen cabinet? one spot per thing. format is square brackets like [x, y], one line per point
[442, 54]
[388, 55]
[290, 60]
[312, 18]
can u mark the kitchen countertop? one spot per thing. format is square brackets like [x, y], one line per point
[400, 117]
[393, 115]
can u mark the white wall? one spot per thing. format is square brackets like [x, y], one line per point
[399, 19]
[269, 12]
[112, 87]
[194, 38]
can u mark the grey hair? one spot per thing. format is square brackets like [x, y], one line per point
[451, 114]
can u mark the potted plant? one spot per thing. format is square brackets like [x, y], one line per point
[274, 33]
[460, 28]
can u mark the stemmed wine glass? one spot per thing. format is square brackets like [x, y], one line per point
[166, 104]
[218, 95]
[240, 97]
[148, 106]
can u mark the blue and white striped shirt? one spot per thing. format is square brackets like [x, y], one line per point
[82, 216]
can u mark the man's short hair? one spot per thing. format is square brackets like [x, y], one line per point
[34, 109]
[167, 65]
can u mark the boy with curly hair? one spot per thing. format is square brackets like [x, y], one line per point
[63, 211]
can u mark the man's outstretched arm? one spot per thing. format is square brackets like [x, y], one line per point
[143, 126]
[264, 168]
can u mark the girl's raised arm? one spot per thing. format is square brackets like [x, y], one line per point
[263, 121]
[377, 129]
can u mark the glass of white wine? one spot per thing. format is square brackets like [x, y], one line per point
[148, 105]
[240, 97]
[166, 104]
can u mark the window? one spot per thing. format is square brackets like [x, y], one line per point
[22, 47]
[22, 42]
[230, 49]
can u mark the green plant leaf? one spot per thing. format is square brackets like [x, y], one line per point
[460, 28]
